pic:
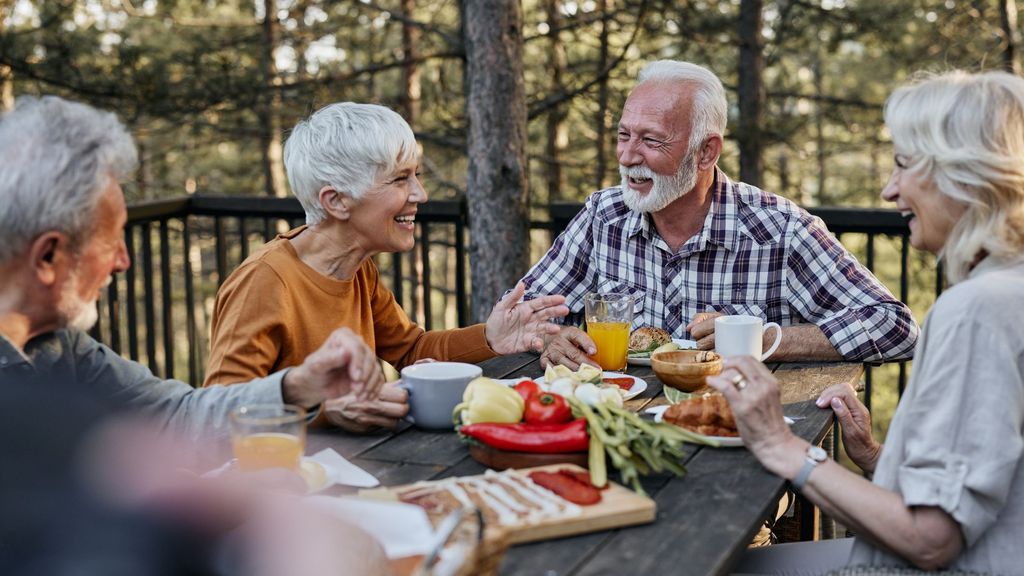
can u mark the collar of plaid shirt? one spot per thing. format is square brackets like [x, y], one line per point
[724, 223]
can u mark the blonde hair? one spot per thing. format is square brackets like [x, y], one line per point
[965, 132]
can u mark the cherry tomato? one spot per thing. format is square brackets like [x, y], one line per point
[527, 388]
[547, 408]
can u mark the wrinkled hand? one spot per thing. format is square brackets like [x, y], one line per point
[515, 326]
[702, 329]
[855, 422]
[757, 407]
[343, 364]
[362, 416]
[571, 347]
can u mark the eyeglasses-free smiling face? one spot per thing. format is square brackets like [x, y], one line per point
[930, 214]
[384, 218]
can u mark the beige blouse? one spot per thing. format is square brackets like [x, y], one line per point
[957, 437]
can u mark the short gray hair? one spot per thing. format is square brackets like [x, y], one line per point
[58, 157]
[965, 132]
[348, 147]
[710, 105]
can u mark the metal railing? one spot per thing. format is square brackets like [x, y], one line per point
[158, 312]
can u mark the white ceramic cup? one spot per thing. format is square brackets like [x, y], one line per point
[435, 388]
[743, 335]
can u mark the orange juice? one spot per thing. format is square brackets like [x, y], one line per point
[612, 341]
[268, 450]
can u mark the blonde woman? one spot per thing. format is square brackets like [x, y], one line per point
[948, 486]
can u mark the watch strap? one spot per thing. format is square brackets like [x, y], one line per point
[805, 473]
[815, 455]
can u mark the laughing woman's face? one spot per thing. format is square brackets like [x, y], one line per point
[930, 213]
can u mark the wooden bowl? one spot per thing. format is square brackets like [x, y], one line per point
[680, 368]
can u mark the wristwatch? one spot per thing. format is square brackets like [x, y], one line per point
[815, 455]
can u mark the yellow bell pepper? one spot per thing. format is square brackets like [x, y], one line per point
[488, 401]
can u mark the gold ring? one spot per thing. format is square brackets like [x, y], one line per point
[739, 381]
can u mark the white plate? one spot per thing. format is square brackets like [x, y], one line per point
[683, 345]
[638, 383]
[723, 441]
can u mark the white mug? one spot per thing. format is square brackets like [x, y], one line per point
[435, 389]
[742, 335]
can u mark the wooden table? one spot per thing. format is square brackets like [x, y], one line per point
[705, 519]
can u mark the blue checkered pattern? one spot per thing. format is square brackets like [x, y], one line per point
[757, 254]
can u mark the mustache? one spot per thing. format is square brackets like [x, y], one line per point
[636, 172]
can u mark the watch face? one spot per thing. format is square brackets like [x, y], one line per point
[817, 453]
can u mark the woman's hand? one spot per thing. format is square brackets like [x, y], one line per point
[363, 416]
[855, 421]
[753, 395]
[515, 326]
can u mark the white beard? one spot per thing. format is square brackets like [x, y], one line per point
[666, 189]
[75, 312]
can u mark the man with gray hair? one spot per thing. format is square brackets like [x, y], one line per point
[690, 244]
[62, 218]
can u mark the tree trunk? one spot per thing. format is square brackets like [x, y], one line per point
[601, 122]
[496, 184]
[751, 92]
[819, 132]
[1008, 18]
[557, 135]
[6, 79]
[410, 70]
[270, 119]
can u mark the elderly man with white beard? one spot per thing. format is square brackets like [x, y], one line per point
[690, 244]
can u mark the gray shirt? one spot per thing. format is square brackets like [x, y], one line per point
[957, 437]
[77, 357]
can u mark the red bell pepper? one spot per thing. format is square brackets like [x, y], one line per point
[536, 438]
[547, 408]
[527, 388]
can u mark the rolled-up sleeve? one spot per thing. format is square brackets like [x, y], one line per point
[963, 451]
[859, 316]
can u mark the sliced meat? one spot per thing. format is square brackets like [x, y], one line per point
[568, 487]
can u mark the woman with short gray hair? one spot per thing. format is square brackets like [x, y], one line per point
[355, 169]
[948, 488]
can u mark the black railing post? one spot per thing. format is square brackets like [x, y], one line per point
[149, 304]
[428, 319]
[190, 304]
[129, 301]
[167, 295]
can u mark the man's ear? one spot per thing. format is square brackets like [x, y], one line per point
[336, 203]
[710, 151]
[49, 256]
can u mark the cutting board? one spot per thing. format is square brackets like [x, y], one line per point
[618, 507]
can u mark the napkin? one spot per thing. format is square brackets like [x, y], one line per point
[341, 471]
[402, 529]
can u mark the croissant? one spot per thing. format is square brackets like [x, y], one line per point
[709, 415]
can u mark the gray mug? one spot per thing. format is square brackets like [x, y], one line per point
[435, 389]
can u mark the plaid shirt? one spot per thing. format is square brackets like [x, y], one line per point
[757, 254]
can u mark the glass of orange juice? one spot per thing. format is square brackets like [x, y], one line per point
[609, 318]
[268, 436]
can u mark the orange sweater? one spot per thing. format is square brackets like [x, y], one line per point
[275, 310]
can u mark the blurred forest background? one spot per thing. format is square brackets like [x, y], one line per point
[209, 89]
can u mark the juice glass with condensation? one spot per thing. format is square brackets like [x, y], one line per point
[268, 436]
[609, 318]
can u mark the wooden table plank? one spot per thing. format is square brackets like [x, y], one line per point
[708, 517]
[705, 519]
